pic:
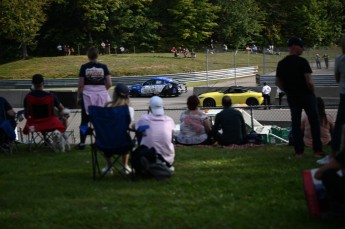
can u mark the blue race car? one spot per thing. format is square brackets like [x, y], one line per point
[158, 86]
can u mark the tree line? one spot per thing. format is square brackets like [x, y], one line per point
[36, 27]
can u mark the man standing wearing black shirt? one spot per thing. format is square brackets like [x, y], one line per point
[293, 76]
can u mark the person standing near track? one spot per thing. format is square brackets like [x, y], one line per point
[94, 82]
[293, 76]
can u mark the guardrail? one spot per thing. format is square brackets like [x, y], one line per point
[319, 80]
[129, 80]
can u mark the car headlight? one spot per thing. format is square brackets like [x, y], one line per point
[169, 85]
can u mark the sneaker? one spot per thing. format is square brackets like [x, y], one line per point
[126, 170]
[324, 160]
[81, 146]
[319, 154]
[107, 170]
[172, 169]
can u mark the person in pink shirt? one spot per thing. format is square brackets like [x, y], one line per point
[326, 125]
[159, 130]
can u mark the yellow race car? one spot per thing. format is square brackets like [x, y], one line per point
[238, 95]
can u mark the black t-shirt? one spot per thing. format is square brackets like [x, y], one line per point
[94, 73]
[40, 94]
[291, 72]
[232, 124]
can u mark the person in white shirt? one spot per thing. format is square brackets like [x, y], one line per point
[266, 93]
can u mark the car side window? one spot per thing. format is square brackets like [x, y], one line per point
[237, 91]
[159, 82]
[149, 82]
[230, 90]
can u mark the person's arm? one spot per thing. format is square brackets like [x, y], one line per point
[207, 125]
[80, 89]
[243, 126]
[278, 83]
[216, 125]
[309, 81]
[9, 110]
[61, 107]
[337, 77]
[108, 82]
[332, 165]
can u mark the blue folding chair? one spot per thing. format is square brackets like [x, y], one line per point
[112, 137]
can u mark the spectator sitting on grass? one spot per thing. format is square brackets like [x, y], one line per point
[333, 182]
[158, 134]
[326, 125]
[232, 124]
[195, 126]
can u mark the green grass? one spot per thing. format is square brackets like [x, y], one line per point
[146, 64]
[212, 188]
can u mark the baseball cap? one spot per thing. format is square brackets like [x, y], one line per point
[156, 105]
[295, 41]
[122, 90]
[37, 79]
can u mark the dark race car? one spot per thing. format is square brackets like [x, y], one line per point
[158, 86]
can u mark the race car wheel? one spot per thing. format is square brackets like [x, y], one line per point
[134, 93]
[175, 92]
[252, 102]
[209, 103]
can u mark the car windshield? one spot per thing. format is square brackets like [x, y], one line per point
[174, 81]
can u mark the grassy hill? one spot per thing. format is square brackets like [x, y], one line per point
[146, 63]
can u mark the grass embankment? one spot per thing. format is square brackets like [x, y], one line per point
[212, 188]
[146, 64]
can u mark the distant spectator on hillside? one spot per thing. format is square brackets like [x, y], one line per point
[225, 48]
[254, 49]
[174, 50]
[326, 58]
[318, 61]
[103, 48]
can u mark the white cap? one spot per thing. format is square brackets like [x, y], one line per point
[156, 105]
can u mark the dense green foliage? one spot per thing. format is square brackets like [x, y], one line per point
[157, 25]
[212, 188]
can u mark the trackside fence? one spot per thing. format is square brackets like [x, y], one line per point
[273, 123]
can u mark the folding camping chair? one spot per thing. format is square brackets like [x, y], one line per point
[112, 137]
[41, 121]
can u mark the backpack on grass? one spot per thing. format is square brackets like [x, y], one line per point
[146, 161]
